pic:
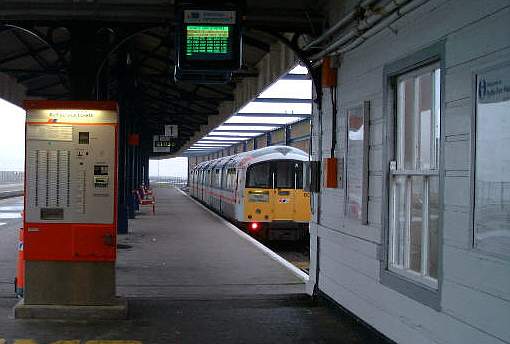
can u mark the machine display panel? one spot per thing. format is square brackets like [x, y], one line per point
[208, 42]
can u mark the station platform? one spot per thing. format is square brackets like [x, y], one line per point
[190, 278]
[187, 252]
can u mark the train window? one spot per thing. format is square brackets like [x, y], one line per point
[223, 178]
[299, 174]
[217, 178]
[231, 179]
[259, 176]
[285, 175]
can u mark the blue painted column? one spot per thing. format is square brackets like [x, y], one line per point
[130, 175]
[122, 197]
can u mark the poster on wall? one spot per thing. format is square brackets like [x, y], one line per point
[492, 161]
[357, 162]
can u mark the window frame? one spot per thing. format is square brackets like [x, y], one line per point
[432, 171]
[402, 283]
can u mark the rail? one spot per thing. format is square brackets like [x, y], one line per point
[11, 177]
[169, 181]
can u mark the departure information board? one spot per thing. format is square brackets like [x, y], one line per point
[208, 42]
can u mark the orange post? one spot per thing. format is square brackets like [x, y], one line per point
[20, 273]
[330, 171]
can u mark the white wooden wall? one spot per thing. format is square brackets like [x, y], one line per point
[475, 300]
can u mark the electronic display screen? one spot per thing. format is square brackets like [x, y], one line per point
[208, 42]
[83, 137]
[100, 170]
[163, 144]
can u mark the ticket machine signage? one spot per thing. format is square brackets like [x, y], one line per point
[70, 181]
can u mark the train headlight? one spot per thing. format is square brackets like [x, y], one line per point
[254, 227]
[254, 196]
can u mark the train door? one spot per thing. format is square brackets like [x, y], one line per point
[284, 181]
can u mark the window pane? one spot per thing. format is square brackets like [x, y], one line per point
[409, 119]
[259, 176]
[416, 185]
[355, 171]
[400, 221]
[426, 125]
[285, 174]
[433, 225]
[492, 185]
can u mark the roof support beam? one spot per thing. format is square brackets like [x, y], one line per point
[260, 114]
[261, 124]
[279, 19]
[238, 131]
[219, 141]
[295, 77]
[230, 135]
[283, 100]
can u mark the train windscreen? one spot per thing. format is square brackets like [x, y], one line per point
[288, 174]
[284, 174]
[258, 175]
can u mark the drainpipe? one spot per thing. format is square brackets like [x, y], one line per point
[394, 8]
[341, 23]
[385, 23]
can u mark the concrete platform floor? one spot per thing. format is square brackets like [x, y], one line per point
[189, 279]
[186, 252]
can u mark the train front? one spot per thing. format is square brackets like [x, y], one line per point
[275, 205]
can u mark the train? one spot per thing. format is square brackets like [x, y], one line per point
[261, 191]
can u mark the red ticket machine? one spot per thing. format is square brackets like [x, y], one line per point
[70, 222]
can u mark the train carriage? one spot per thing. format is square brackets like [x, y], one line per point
[262, 190]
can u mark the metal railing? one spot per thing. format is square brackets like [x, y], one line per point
[169, 181]
[11, 177]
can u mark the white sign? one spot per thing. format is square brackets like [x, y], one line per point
[494, 86]
[171, 130]
[209, 17]
[64, 116]
[50, 132]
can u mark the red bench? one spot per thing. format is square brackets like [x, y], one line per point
[146, 199]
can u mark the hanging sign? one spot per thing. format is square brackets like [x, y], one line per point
[208, 38]
[171, 130]
[163, 144]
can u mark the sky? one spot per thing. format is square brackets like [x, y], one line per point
[12, 137]
[174, 167]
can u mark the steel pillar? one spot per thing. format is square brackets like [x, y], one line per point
[122, 216]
